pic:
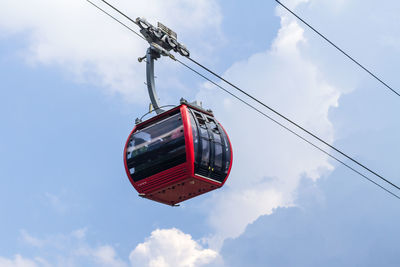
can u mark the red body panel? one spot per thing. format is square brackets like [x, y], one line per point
[178, 183]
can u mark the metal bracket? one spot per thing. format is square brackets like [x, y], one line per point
[152, 55]
[162, 40]
[162, 36]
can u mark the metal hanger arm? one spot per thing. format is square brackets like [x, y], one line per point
[151, 55]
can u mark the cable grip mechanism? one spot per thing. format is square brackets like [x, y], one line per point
[162, 40]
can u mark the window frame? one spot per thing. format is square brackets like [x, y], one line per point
[166, 164]
[204, 121]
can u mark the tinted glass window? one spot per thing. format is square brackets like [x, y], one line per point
[204, 133]
[205, 153]
[217, 136]
[227, 152]
[218, 156]
[156, 148]
[213, 155]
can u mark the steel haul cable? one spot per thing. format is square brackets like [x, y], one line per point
[120, 22]
[338, 48]
[295, 124]
[288, 129]
[269, 117]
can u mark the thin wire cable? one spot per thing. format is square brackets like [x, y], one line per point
[120, 12]
[338, 48]
[288, 129]
[296, 124]
[259, 111]
[120, 22]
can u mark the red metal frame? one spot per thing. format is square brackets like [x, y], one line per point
[231, 161]
[187, 130]
[178, 183]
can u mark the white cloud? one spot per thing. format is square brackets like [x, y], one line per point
[106, 256]
[79, 233]
[73, 35]
[166, 247]
[303, 77]
[294, 3]
[390, 42]
[32, 241]
[66, 250]
[18, 261]
[170, 247]
[56, 202]
[268, 161]
[59, 241]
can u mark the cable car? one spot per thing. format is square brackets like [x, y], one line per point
[179, 153]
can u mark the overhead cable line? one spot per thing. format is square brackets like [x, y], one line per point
[296, 124]
[288, 129]
[117, 20]
[277, 113]
[338, 48]
[119, 11]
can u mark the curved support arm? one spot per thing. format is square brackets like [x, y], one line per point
[151, 55]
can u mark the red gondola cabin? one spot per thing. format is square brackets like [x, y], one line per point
[177, 155]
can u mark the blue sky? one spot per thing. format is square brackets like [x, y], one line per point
[71, 89]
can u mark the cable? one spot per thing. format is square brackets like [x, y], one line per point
[280, 124]
[120, 12]
[120, 22]
[338, 48]
[288, 129]
[295, 124]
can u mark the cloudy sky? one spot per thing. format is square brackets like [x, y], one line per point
[71, 88]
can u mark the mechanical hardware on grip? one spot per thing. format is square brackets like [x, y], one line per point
[161, 38]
